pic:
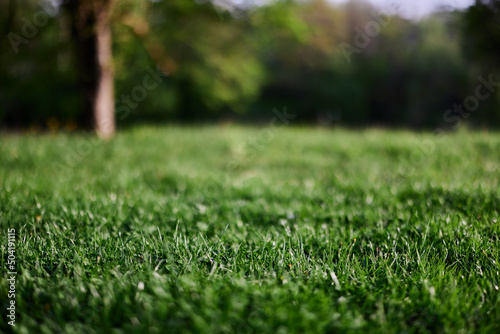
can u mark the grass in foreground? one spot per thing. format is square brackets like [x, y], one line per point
[223, 230]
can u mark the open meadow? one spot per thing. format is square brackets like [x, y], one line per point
[229, 229]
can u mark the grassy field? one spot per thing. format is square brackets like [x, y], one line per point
[245, 230]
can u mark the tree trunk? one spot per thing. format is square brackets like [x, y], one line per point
[92, 34]
[104, 107]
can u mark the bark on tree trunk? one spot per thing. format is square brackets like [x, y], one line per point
[92, 34]
[104, 108]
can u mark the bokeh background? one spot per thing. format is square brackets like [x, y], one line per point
[332, 63]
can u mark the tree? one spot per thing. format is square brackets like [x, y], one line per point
[482, 32]
[482, 46]
[90, 29]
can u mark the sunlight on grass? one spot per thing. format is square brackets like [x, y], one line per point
[207, 230]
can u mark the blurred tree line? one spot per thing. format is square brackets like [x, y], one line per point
[197, 61]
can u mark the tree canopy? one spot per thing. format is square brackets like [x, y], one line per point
[187, 61]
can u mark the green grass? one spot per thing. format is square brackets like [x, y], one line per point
[230, 229]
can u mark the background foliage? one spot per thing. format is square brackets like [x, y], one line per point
[238, 63]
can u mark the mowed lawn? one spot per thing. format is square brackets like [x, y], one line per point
[252, 230]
